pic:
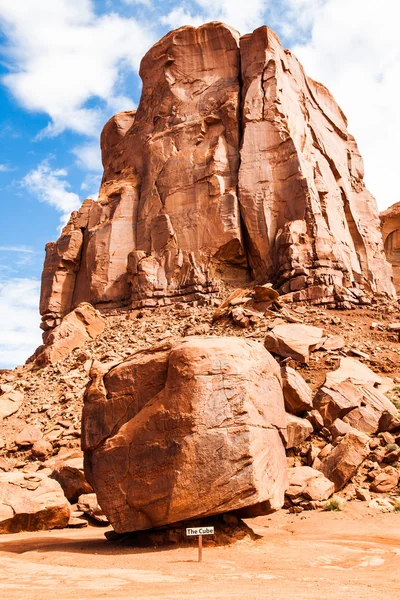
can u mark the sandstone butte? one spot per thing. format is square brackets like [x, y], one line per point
[236, 167]
[390, 223]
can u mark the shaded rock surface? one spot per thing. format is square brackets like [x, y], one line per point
[71, 477]
[188, 428]
[228, 529]
[236, 167]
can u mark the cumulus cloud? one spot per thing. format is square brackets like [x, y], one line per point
[19, 320]
[88, 156]
[179, 16]
[50, 186]
[243, 17]
[91, 185]
[64, 60]
[354, 49]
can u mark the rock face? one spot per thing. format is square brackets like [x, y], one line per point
[390, 224]
[186, 429]
[237, 167]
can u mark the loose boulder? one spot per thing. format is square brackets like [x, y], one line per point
[87, 503]
[337, 401]
[297, 393]
[341, 464]
[70, 475]
[386, 481]
[188, 428]
[351, 368]
[368, 416]
[298, 430]
[305, 482]
[28, 436]
[360, 405]
[31, 502]
[293, 341]
[10, 403]
[79, 326]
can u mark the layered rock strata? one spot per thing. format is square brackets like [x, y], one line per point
[390, 224]
[189, 428]
[237, 167]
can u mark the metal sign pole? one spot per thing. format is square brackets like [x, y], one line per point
[200, 548]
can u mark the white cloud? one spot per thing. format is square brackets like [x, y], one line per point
[22, 249]
[89, 157]
[146, 3]
[353, 48]
[50, 186]
[61, 56]
[19, 320]
[5, 168]
[91, 186]
[178, 17]
[242, 16]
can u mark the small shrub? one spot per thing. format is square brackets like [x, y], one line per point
[333, 505]
[396, 507]
[392, 447]
[308, 380]
[396, 403]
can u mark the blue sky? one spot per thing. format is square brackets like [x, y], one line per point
[67, 65]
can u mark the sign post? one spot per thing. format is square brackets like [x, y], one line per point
[200, 531]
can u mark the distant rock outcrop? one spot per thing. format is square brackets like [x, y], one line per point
[237, 167]
[189, 428]
[390, 223]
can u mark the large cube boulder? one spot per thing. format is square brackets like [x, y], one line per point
[188, 428]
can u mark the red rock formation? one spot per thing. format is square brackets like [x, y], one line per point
[390, 224]
[80, 325]
[186, 429]
[235, 167]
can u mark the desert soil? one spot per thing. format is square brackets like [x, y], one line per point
[353, 554]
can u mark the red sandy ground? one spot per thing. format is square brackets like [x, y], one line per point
[354, 554]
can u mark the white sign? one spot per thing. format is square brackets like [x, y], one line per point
[199, 530]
